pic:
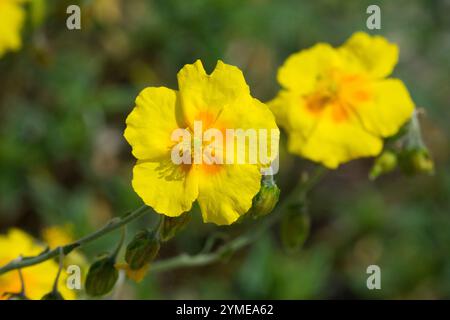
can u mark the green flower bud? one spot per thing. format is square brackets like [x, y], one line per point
[53, 295]
[172, 225]
[385, 163]
[416, 160]
[101, 277]
[142, 250]
[15, 296]
[266, 199]
[294, 227]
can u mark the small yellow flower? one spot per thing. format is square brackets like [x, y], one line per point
[12, 15]
[39, 278]
[337, 104]
[219, 101]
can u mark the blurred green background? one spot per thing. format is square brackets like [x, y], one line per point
[65, 96]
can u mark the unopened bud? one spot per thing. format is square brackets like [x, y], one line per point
[266, 199]
[416, 160]
[172, 225]
[385, 163]
[295, 227]
[101, 277]
[53, 295]
[142, 250]
[14, 296]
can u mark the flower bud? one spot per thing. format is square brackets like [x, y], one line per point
[53, 295]
[266, 199]
[14, 296]
[141, 250]
[385, 163]
[416, 160]
[101, 277]
[172, 225]
[294, 227]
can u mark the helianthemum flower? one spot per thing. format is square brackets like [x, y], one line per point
[204, 108]
[337, 104]
[38, 279]
[12, 16]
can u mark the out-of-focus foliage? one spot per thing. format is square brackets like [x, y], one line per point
[63, 102]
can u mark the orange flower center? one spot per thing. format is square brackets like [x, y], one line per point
[339, 93]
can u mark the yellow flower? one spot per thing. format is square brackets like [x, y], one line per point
[38, 279]
[12, 16]
[219, 101]
[337, 104]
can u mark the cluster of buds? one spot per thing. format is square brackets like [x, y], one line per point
[407, 151]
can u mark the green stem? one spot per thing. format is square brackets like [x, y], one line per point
[109, 227]
[185, 260]
[61, 265]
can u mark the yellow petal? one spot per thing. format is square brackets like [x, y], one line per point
[374, 53]
[291, 113]
[302, 70]
[203, 96]
[227, 193]
[250, 113]
[168, 188]
[334, 142]
[390, 108]
[11, 20]
[38, 279]
[151, 123]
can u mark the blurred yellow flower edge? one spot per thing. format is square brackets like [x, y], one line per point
[12, 16]
[38, 279]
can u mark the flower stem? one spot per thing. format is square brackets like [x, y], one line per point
[185, 260]
[112, 225]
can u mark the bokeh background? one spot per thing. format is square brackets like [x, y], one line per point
[65, 96]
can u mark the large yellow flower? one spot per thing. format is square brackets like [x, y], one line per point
[38, 279]
[12, 16]
[337, 104]
[219, 101]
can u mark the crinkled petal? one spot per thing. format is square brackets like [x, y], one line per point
[377, 55]
[334, 142]
[204, 96]
[390, 108]
[152, 122]
[168, 188]
[302, 70]
[249, 114]
[227, 193]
